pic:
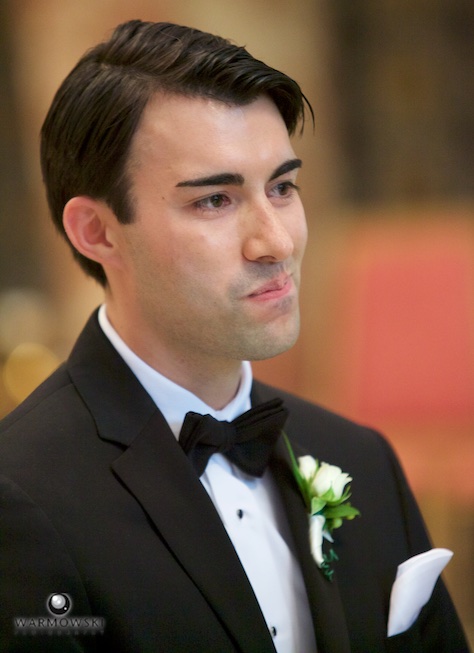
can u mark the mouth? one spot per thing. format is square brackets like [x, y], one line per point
[273, 289]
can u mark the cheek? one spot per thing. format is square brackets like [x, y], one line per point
[186, 262]
[205, 253]
[191, 268]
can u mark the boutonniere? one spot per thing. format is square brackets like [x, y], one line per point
[325, 489]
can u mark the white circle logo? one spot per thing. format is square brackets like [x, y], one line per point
[59, 604]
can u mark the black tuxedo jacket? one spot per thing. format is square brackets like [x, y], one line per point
[98, 501]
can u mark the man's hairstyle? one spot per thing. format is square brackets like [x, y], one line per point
[86, 136]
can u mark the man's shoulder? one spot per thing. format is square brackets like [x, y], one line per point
[57, 402]
[48, 391]
[41, 420]
[307, 414]
[326, 433]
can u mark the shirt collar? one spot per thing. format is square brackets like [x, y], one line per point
[173, 400]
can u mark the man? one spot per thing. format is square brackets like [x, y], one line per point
[169, 169]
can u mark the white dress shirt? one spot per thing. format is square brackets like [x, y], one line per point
[250, 507]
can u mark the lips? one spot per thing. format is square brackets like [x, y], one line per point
[274, 288]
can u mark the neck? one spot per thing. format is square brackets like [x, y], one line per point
[213, 388]
[215, 382]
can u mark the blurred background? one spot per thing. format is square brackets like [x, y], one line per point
[388, 184]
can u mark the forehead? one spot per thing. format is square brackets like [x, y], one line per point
[197, 132]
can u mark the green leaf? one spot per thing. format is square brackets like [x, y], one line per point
[294, 462]
[317, 504]
[342, 499]
[302, 483]
[345, 511]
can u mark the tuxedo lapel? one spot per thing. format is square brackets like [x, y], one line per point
[323, 595]
[163, 481]
[158, 474]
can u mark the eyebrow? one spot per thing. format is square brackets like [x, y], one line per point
[222, 179]
[287, 166]
[235, 179]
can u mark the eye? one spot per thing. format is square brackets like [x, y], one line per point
[215, 201]
[284, 189]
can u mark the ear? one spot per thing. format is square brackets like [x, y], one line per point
[89, 225]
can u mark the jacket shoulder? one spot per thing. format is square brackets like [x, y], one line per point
[44, 393]
[308, 421]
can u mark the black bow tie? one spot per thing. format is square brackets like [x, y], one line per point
[247, 441]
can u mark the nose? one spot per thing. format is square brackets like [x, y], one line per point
[267, 237]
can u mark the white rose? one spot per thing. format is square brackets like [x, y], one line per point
[316, 525]
[330, 481]
[308, 467]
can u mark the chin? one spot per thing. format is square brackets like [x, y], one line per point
[258, 342]
[272, 345]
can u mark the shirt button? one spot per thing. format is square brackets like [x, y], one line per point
[273, 631]
[240, 513]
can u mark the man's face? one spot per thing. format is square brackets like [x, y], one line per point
[211, 263]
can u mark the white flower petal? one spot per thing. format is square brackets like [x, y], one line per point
[330, 477]
[323, 480]
[307, 466]
[339, 484]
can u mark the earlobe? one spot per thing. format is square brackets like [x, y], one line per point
[86, 222]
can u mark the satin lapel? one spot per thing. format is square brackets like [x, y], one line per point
[324, 599]
[159, 475]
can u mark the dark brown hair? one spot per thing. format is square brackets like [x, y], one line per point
[87, 132]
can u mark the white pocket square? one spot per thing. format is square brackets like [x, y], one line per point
[413, 586]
